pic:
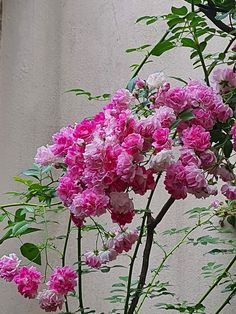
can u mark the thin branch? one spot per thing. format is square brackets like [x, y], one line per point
[80, 291]
[227, 301]
[64, 257]
[151, 224]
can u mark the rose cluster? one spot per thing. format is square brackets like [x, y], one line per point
[61, 282]
[136, 136]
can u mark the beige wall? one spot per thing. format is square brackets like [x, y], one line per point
[49, 46]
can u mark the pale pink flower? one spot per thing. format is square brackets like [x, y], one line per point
[125, 166]
[50, 300]
[194, 177]
[122, 99]
[123, 240]
[122, 207]
[165, 115]
[161, 160]
[156, 80]
[45, 156]
[28, 280]
[233, 133]
[224, 80]
[9, 266]
[63, 280]
[92, 259]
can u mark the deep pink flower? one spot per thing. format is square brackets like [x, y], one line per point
[77, 220]
[175, 180]
[63, 280]
[143, 180]
[84, 130]
[67, 189]
[91, 202]
[208, 158]
[229, 191]
[133, 143]
[9, 266]
[177, 99]
[62, 141]
[28, 280]
[188, 156]
[194, 177]
[122, 207]
[161, 139]
[196, 138]
[50, 300]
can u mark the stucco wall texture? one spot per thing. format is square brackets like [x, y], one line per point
[50, 46]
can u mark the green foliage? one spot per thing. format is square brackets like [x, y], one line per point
[31, 252]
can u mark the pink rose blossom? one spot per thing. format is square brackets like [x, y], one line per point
[161, 139]
[188, 156]
[28, 280]
[143, 180]
[224, 80]
[63, 280]
[229, 191]
[50, 300]
[125, 166]
[161, 160]
[194, 177]
[93, 260]
[62, 141]
[91, 202]
[67, 189]
[122, 99]
[165, 115]
[133, 143]
[139, 83]
[175, 180]
[196, 138]
[9, 266]
[208, 159]
[45, 156]
[176, 99]
[84, 130]
[123, 240]
[225, 174]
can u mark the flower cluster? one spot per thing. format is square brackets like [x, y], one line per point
[118, 241]
[28, 279]
[124, 147]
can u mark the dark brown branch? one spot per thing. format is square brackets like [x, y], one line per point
[151, 225]
[210, 11]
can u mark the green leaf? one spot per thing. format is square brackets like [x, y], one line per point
[19, 228]
[162, 47]
[179, 11]
[31, 252]
[131, 84]
[186, 115]
[228, 147]
[188, 42]
[137, 48]
[6, 236]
